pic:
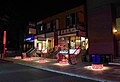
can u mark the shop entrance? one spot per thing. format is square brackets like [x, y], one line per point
[75, 42]
[118, 48]
[41, 45]
[72, 46]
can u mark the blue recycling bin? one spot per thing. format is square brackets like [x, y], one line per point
[96, 58]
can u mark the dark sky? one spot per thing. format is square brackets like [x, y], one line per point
[20, 12]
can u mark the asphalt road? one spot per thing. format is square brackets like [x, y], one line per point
[11, 72]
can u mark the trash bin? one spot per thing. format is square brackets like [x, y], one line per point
[23, 55]
[96, 59]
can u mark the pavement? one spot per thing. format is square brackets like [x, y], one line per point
[109, 73]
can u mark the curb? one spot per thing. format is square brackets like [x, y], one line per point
[118, 64]
[6, 60]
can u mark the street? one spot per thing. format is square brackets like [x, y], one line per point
[11, 72]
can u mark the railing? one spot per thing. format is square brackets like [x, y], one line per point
[32, 51]
[53, 54]
[29, 50]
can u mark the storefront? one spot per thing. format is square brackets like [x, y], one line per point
[29, 43]
[44, 42]
[70, 39]
[71, 42]
[75, 42]
[40, 42]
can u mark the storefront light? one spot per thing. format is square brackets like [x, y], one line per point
[115, 30]
[39, 46]
[35, 43]
[82, 38]
[77, 40]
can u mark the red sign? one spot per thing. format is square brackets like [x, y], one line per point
[73, 59]
[4, 38]
[81, 33]
[4, 43]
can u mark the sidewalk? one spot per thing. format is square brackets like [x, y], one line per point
[110, 73]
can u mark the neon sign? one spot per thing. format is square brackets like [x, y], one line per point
[30, 38]
[71, 51]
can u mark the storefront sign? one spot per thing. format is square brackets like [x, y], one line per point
[74, 51]
[42, 35]
[51, 34]
[30, 38]
[71, 51]
[41, 39]
[32, 31]
[80, 28]
[64, 52]
[81, 33]
[67, 31]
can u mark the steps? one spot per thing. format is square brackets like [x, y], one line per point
[116, 61]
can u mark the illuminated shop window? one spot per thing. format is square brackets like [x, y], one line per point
[72, 42]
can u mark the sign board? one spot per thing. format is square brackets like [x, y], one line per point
[32, 31]
[81, 33]
[29, 38]
[71, 51]
[4, 38]
[41, 39]
[51, 34]
[67, 31]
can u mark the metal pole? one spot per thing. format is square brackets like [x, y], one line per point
[69, 50]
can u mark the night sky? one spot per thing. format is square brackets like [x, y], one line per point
[20, 12]
[32, 10]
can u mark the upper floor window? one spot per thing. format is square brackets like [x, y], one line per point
[80, 18]
[70, 20]
[39, 28]
[55, 24]
[48, 26]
